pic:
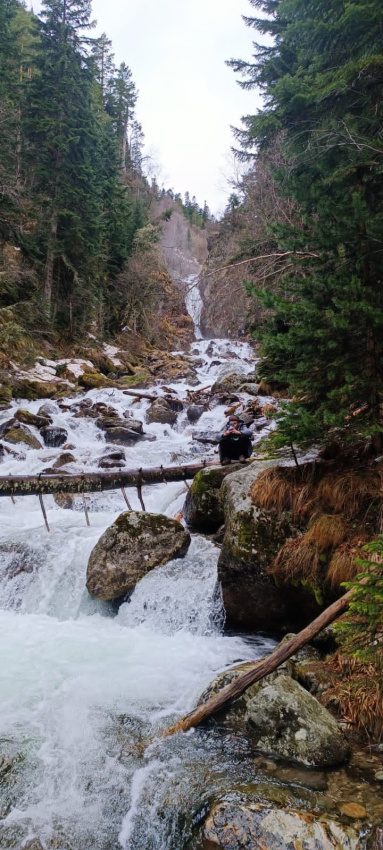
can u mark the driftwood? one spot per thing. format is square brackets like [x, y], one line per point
[92, 482]
[167, 397]
[261, 668]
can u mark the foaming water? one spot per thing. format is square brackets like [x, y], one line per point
[85, 690]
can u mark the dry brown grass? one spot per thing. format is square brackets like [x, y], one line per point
[327, 531]
[297, 560]
[339, 509]
[342, 565]
[358, 693]
[313, 487]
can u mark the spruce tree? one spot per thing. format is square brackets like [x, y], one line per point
[322, 79]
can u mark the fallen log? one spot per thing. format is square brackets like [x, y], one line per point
[151, 397]
[92, 482]
[261, 668]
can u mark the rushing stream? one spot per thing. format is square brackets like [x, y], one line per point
[85, 689]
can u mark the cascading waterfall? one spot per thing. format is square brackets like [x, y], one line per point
[194, 303]
[85, 690]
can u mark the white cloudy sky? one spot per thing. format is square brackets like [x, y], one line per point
[188, 97]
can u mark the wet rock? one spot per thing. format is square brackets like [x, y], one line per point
[22, 435]
[127, 424]
[133, 545]
[32, 844]
[290, 723]
[282, 720]
[203, 509]
[228, 382]
[64, 500]
[160, 411]
[250, 389]
[113, 460]
[54, 436]
[32, 419]
[6, 764]
[47, 410]
[122, 436]
[63, 459]
[312, 779]
[353, 810]
[234, 825]
[194, 412]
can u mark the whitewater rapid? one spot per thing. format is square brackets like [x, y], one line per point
[86, 689]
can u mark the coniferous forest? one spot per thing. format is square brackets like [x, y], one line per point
[316, 151]
[73, 195]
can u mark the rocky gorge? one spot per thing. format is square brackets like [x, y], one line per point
[93, 677]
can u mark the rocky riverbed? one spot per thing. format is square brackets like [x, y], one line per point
[88, 685]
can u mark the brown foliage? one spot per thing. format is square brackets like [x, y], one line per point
[330, 501]
[357, 691]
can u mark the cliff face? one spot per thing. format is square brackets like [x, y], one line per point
[227, 308]
[183, 245]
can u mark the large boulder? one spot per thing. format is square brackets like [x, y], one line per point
[283, 720]
[21, 434]
[252, 538]
[233, 825]
[160, 411]
[128, 549]
[203, 508]
[228, 381]
[251, 598]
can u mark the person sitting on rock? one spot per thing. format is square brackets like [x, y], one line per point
[235, 443]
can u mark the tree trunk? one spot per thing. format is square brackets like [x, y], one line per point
[92, 482]
[48, 283]
[261, 668]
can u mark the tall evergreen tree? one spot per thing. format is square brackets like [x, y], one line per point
[322, 78]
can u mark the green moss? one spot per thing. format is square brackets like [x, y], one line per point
[19, 435]
[94, 380]
[133, 380]
[144, 522]
[5, 394]
[32, 390]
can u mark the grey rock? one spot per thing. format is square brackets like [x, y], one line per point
[63, 459]
[228, 382]
[161, 411]
[203, 509]
[128, 549]
[235, 825]
[194, 412]
[250, 389]
[288, 722]
[54, 436]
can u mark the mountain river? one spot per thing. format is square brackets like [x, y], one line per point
[86, 688]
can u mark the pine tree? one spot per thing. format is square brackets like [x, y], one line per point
[322, 80]
[61, 133]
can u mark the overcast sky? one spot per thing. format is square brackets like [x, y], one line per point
[188, 97]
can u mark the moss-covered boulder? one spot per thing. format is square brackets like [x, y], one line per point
[252, 599]
[94, 381]
[283, 720]
[235, 824]
[33, 419]
[5, 395]
[32, 389]
[252, 539]
[22, 435]
[133, 545]
[203, 508]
